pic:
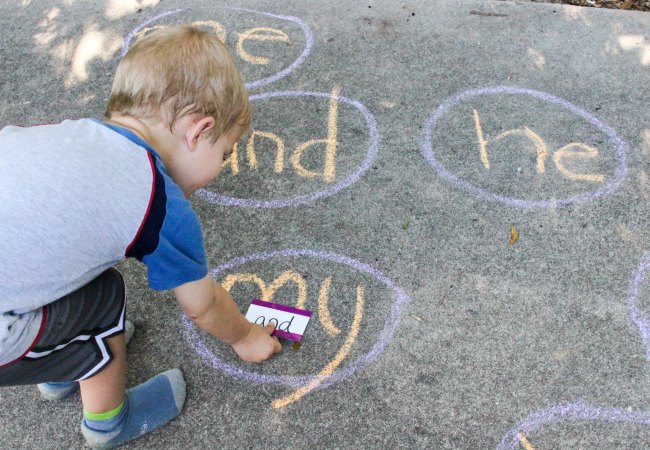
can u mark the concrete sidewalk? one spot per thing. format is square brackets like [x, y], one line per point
[461, 199]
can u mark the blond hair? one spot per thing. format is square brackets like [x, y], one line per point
[181, 70]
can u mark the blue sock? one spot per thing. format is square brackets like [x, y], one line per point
[146, 407]
[59, 390]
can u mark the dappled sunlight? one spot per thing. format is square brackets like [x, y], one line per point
[48, 28]
[636, 42]
[576, 13]
[116, 9]
[72, 55]
[537, 57]
[94, 44]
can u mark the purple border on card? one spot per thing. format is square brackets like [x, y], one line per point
[285, 308]
[288, 336]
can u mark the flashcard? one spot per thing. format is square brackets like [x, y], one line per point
[290, 322]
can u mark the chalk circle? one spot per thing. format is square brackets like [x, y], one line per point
[426, 147]
[640, 318]
[570, 412]
[392, 321]
[309, 41]
[371, 154]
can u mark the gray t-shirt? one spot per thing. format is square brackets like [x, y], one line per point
[75, 199]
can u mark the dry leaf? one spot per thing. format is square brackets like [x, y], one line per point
[514, 235]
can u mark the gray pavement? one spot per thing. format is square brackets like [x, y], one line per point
[461, 200]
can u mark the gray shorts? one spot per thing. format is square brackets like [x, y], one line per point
[72, 345]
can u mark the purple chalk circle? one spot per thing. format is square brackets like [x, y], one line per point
[195, 340]
[640, 318]
[309, 41]
[570, 412]
[576, 411]
[371, 154]
[279, 307]
[620, 145]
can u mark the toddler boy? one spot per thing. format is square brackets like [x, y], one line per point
[80, 196]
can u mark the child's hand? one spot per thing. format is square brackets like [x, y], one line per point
[258, 345]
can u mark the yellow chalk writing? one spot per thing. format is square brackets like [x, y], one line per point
[323, 310]
[267, 293]
[481, 141]
[250, 150]
[328, 173]
[232, 161]
[540, 145]
[259, 34]
[330, 144]
[264, 34]
[541, 149]
[335, 362]
[525, 442]
[566, 152]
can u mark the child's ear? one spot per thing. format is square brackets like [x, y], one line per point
[196, 128]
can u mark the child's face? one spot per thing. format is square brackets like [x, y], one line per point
[210, 157]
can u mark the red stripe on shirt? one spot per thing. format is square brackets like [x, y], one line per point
[38, 336]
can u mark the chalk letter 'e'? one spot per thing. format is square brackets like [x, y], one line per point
[566, 152]
[259, 34]
[329, 169]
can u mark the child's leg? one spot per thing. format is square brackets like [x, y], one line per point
[63, 389]
[105, 391]
[113, 416]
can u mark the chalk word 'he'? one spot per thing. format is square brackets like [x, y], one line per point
[565, 152]
[573, 150]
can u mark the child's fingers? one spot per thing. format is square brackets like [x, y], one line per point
[277, 347]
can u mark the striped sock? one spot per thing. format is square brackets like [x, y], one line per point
[146, 407]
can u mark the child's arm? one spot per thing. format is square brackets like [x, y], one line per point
[212, 309]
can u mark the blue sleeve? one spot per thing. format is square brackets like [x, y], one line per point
[178, 256]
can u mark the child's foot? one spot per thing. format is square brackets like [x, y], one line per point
[57, 391]
[146, 407]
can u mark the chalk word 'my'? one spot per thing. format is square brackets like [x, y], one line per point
[333, 371]
[569, 151]
[323, 315]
